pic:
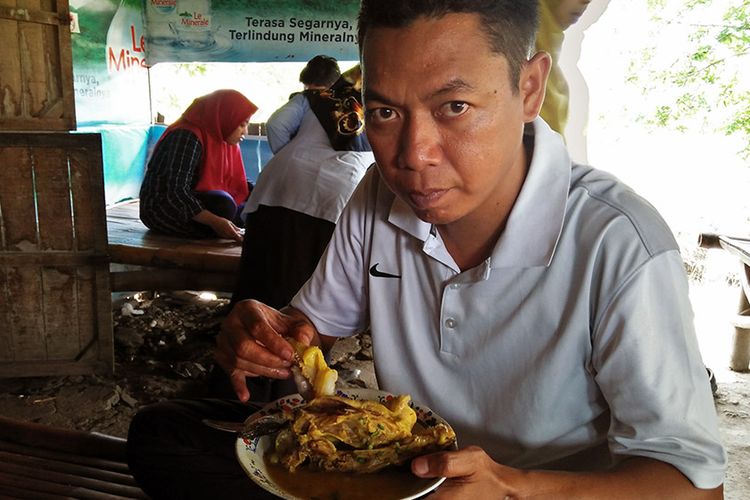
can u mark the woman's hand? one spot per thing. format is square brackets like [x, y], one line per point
[227, 229]
[224, 228]
[251, 342]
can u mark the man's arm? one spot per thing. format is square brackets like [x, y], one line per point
[251, 342]
[473, 474]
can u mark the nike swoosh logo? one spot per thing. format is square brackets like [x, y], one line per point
[379, 274]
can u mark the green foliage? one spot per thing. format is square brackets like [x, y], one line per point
[711, 71]
[192, 69]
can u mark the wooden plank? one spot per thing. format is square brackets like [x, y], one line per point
[13, 492]
[36, 72]
[60, 304]
[52, 259]
[10, 71]
[61, 463]
[53, 199]
[105, 347]
[6, 306]
[87, 187]
[130, 242]
[92, 345]
[38, 81]
[53, 368]
[32, 123]
[60, 320]
[172, 279]
[19, 230]
[25, 320]
[66, 66]
[29, 15]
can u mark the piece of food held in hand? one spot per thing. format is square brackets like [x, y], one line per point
[333, 433]
[312, 375]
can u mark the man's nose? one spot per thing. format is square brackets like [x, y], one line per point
[420, 144]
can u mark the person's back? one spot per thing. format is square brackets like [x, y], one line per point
[307, 175]
[301, 191]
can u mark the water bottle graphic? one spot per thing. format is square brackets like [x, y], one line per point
[126, 84]
[157, 16]
[126, 44]
[193, 26]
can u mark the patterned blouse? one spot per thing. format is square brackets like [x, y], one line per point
[168, 203]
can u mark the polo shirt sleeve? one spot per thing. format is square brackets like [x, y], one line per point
[335, 297]
[648, 366]
[284, 123]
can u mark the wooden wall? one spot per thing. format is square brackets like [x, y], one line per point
[55, 302]
[36, 68]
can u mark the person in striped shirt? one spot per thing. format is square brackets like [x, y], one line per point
[195, 184]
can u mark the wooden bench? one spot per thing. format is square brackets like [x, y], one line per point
[41, 462]
[166, 262]
[740, 248]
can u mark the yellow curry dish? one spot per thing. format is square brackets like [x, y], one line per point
[332, 433]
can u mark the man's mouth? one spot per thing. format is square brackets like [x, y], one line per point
[426, 199]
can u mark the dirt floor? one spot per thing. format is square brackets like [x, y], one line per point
[163, 348]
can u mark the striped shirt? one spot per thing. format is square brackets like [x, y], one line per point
[168, 203]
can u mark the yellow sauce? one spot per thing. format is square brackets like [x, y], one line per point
[391, 483]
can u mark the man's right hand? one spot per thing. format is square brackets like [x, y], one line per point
[251, 342]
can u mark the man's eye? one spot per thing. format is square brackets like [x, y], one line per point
[379, 115]
[454, 108]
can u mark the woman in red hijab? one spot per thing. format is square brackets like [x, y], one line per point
[195, 183]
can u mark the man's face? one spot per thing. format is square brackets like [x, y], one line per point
[443, 120]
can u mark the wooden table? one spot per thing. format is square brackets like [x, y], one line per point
[167, 262]
[740, 248]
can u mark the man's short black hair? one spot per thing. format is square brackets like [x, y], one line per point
[509, 24]
[320, 71]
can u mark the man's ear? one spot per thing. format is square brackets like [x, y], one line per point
[533, 84]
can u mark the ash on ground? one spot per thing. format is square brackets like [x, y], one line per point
[163, 350]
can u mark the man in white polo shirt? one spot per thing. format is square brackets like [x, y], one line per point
[540, 307]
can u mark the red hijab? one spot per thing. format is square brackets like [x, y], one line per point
[212, 118]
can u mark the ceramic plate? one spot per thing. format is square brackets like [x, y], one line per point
[250, 452]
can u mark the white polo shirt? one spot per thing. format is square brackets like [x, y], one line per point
[571, 347]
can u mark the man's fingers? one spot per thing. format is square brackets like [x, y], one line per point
[250, 335]
[250, 358]
[268, 331]
[239, 384]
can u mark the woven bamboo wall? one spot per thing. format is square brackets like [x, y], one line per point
[55, 302]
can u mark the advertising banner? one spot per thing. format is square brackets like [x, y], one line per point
[117, 40]
[242, 31]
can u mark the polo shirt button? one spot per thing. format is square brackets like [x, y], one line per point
[455, 286]
[450, 323]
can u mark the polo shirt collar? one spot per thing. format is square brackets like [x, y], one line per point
[535, 223]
